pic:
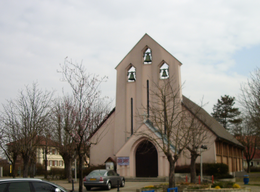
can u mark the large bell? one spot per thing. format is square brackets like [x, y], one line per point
[164, 73]
[131, 76]
[147, 58]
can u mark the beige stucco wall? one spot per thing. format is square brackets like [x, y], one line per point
[103, 142]
[137, 90]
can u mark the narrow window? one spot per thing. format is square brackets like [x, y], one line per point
[148, 99]
[131, 75]
[132, 123]
[164, 71]
[147, 56]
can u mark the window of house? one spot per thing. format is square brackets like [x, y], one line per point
[56, 163]
[131, 75]
[61, 163]
[251, 164]
[50, 163]
[164, 71]
[148, 56]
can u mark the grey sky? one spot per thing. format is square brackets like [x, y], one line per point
[217, 41]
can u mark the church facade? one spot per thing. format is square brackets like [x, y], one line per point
[146, 65]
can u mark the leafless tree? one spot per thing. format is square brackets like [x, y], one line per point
[249, 139]
[250, 98]
[63, 119]
[198, 135]
[250, 101]
[171, 121]
[30, 114]
[87, 108]
[10, 134]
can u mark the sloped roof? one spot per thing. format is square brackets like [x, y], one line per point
[149, 124]
[212, 124]
[37, 140]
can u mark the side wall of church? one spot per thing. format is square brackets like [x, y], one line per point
[103, 142]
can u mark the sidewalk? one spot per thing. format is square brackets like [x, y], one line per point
[129, 186]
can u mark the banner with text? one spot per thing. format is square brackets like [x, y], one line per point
[123, 160]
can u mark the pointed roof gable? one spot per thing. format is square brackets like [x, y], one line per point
[146, 37]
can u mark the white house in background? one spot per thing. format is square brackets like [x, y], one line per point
[54, 159]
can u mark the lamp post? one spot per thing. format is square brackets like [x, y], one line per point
[201, 172]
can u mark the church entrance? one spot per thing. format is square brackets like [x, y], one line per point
[146, 160]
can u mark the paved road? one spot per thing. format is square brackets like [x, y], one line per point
[129, 186]
[132, 186]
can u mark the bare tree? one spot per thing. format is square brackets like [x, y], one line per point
[10, 134]
[249, 139]
[30, 112]
[87, 108]
[250, 101]
[63, 119]
[250, 98]
[171, 123]
[198, 134]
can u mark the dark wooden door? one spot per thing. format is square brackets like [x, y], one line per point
[146, 160]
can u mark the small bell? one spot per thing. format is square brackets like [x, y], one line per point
[131, 76]
[147, 58]
[164, 73]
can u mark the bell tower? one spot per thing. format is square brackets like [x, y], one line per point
[146, 65]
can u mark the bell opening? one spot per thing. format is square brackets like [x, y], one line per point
[147, 56]
[131, 76]
[164, 71]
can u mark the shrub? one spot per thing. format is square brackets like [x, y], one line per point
[223, 176]
[39, 169]
[215, 169]
[223, 184]
[56, 173]
[217, 187]
[254, 169]
[236, 186]
[182, 169]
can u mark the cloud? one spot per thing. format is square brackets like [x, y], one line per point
[36, 36]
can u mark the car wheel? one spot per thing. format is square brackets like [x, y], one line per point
[108, 186]
[88, 188]
[122, 183]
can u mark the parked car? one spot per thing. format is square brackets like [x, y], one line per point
[103, 178]
[29, 185]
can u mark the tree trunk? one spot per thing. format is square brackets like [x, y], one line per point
[25, 166]
[45, 168]
[13, 166]
[67, 162]
[193, 168]
[248, 166]
[80, 172]
[45, 163]
[171, 171]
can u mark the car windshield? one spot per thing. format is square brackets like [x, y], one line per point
[97, 173]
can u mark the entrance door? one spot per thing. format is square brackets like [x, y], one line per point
[146, 160]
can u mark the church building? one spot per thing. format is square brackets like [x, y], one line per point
[119, 138]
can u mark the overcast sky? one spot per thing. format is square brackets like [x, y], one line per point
[218, 42]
